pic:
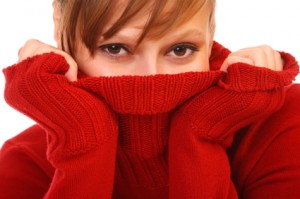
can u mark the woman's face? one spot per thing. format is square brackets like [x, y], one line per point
[185, 48]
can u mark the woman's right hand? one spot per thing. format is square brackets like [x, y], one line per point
[35, 47]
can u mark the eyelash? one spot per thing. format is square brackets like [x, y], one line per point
[119, 47]
[185, 46]
[105, 49]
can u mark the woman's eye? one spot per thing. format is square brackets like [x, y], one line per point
[182, 50]
[114, 49]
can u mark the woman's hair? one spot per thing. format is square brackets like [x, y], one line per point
[89, 17]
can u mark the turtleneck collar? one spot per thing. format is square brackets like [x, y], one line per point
[149, 94]
[155, 94]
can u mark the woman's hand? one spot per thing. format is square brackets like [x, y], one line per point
[35, 47]
[260, 56]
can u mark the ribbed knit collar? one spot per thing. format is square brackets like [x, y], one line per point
[150, 94]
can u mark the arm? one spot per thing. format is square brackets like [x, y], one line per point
[203, 127]
[24, 170]
[277, 174]
[273, 169]
[81, 129]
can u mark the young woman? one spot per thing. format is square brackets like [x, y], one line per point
[138, 101]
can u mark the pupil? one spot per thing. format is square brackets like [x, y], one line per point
[114, 49]
[180, 50]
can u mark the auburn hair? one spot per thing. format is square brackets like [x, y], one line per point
[89, 17]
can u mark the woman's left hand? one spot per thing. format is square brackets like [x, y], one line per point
[260, 56]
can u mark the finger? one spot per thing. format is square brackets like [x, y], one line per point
[34, 47]
[272, 58]
[262, 56]
[232, 59]
[26, 50]
[279, 62]
[268, 54]
[20, 51]
[256, 54]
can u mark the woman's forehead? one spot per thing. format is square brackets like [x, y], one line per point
[155, 17]
[92, 19]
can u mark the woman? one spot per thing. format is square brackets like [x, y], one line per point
[150, 114]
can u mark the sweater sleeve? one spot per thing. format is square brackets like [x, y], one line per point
[266, 159]
[24, 170]
[81, 129]
[204, 126]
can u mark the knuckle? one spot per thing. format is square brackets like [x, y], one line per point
[30, 45]
[266, 48]
[31, 42]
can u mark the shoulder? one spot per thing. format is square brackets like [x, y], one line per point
[283, 123]
[289, 114]
[287, 118]
[31, 144]
[24, 169]
[268, 152]
[30, 139]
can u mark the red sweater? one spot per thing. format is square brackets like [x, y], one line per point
[190, 135]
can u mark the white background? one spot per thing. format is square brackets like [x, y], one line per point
[240, 23]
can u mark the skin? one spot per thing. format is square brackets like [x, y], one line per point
[186, 48]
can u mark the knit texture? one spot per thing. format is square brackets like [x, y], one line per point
[211, 119]
[244, 78]
[79, 126]
[172, 129]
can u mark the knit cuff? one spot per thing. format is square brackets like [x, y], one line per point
[243, 77]
[218, 55]
[75, 121]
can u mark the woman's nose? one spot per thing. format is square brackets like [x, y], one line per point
[148, 65]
